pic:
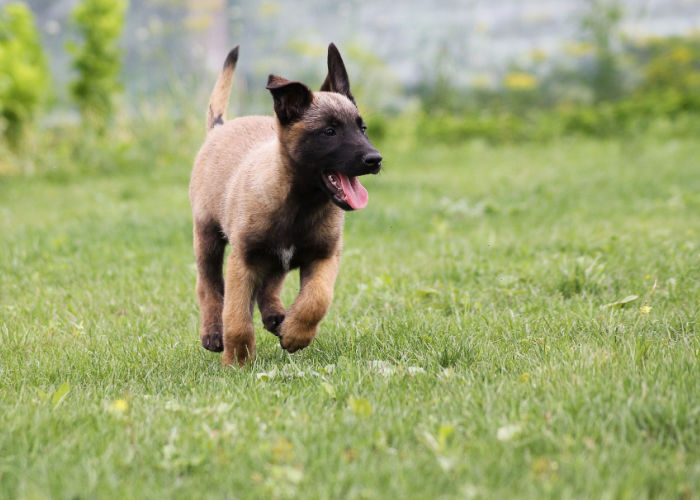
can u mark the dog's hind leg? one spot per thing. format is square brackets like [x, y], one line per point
[239, 338]
[269, 303]
[209, 245]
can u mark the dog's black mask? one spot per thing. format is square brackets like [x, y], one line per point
[325, 135]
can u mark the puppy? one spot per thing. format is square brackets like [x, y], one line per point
[275, 188]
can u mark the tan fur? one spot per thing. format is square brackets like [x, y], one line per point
[239, 338]
[218, 102]
[312, 304]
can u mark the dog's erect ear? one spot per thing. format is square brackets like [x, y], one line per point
[337, 79]
[291, 98]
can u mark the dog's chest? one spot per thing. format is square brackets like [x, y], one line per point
[291, 239]
[287, 250]
[285, 255]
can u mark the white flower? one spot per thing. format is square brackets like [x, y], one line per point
[508, 432]
[382, 367]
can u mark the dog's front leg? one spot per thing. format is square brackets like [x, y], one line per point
[301, 322]
[239, 338]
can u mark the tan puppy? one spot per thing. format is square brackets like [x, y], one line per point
[276, 189]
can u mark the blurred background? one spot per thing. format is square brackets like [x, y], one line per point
[443, 71]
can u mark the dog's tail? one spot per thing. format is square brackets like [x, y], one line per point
[218, 102]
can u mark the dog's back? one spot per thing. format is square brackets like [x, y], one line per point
[219, 161]
[220, 177]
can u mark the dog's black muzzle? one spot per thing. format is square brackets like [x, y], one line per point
[367, 163]
[372, 162]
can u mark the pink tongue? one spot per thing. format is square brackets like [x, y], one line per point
[355, 193]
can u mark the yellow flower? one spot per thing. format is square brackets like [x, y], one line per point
[681, 55]
[644, 309]
[120, 406]
[360, 407]
[520, 81]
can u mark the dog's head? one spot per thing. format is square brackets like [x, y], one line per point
[324, 136]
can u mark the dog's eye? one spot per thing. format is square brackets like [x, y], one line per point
[329, 131]
[364, 129]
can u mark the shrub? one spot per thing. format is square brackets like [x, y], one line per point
[601, 26]
[671, 63]
[670, 80]
[98, 60]
[24, 77]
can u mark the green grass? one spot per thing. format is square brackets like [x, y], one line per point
[466, 353]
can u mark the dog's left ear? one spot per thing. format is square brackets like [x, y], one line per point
[291, 98]
[337, 79]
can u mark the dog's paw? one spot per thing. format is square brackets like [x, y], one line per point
[293, 344]
[240, 350]
[213, 342]
[272, 323]
[292, 341]
[295, 334]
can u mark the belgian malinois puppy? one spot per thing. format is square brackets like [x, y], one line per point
[275, 188]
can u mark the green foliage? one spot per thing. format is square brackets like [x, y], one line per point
[24, 77]
[606, 85]
[677, 115]
[97, 60]
[666, 94]
[451, 128]
[377, 126]
[600, 27]
[671, 63]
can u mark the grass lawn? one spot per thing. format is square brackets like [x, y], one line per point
[468, 352]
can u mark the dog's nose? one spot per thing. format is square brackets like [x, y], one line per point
[372, 159]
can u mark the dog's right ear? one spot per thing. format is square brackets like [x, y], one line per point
[291, 98]
[337, 79]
